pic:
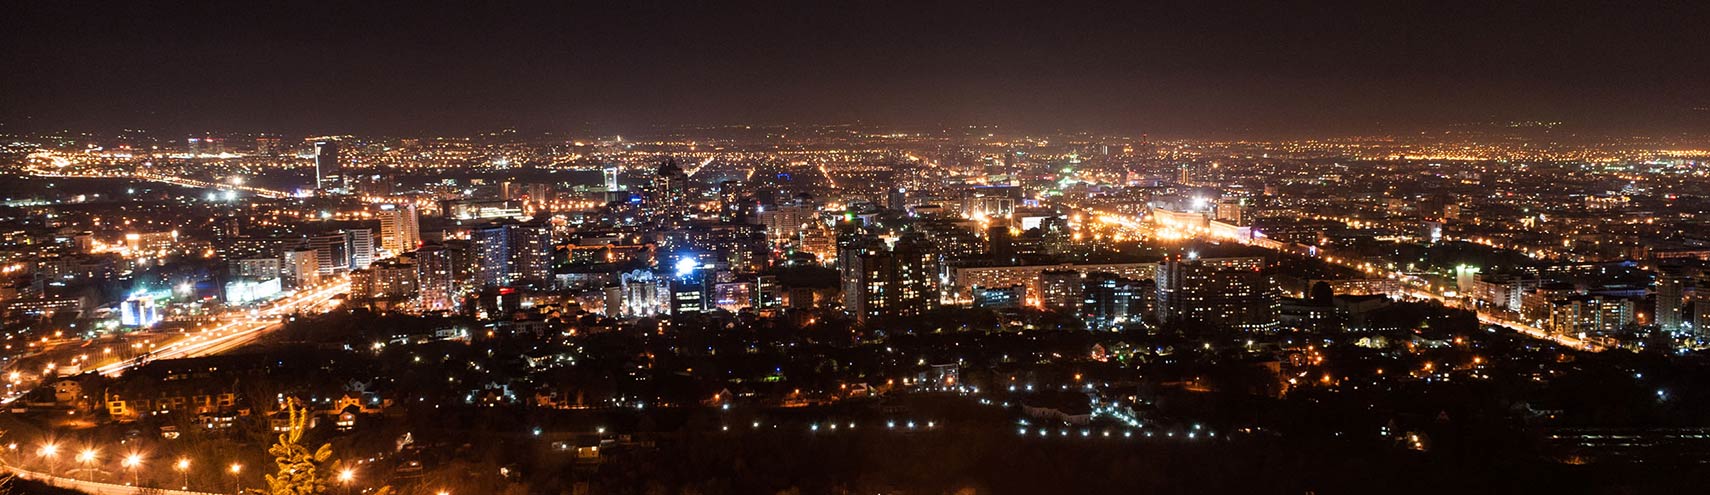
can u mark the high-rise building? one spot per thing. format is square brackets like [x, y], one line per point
[329, 174]
[436, 278]
[610, 174]
[256, 268]
[1111, 302]
[901, 280]
[1060, 290]
[391, 279]
[670, 185]
[301, 268]
[1221, 292]
[1671, 298]
[641, 293]
[785, 223]
[1589, 314]
[509, 253]
[400, 228]
[360, 246]
[332, 252]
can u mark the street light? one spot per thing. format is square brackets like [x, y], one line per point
[183, 473]
[344, 478]
[235, 469]
[131, 462]
[86, 457]
[50, 451]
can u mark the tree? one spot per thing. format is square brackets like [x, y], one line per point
[299, 470]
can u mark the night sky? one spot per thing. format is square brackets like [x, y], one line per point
[1167, 68]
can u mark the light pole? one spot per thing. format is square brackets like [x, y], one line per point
[344, 478]
[235, 469]
[87, 457]
[51, 452]
[183, 473]
[132, 462]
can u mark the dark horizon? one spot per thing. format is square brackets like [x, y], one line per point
[1171, 69]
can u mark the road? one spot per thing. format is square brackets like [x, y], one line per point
[238, 328]
[95, 488]
[1410, 284]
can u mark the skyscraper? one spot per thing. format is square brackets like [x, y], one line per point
[400, 228]
[329, 174]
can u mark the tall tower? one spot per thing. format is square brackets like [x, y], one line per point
[329, 175]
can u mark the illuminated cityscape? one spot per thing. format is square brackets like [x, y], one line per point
[780, 298]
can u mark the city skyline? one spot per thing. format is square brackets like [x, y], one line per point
[764, 247]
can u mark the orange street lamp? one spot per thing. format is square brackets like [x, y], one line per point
[183, 473]
[131, 462]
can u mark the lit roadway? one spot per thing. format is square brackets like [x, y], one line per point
[179, 181]
[1410, 283]
[238, 327]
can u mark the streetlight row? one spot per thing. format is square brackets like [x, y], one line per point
[133, 461]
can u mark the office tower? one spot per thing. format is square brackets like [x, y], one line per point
[400, 228]
[1056, 237]
[332, 252]
[301, 268]
[492, 255]
[329, 174]
[1220, 292]
[436, 278]
[690, 292]
[361, 247]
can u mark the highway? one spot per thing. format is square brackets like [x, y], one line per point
[238, 328]
[166, 179]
